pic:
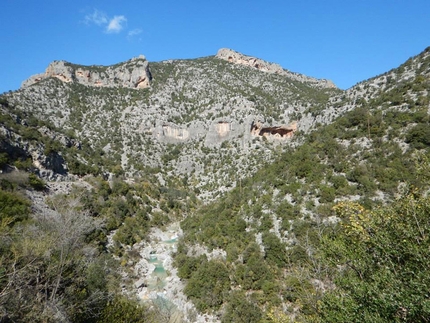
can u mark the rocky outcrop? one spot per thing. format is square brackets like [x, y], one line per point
[61, 138]
[218, 132]
[223, 128]
[278, 132]
[134, 73]
[51, 166]
[175, 132]
[238, 58]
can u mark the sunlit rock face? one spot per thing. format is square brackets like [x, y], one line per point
[175, 132]
[134, 73]
[278, 132]
[223, 128]
[261, 65]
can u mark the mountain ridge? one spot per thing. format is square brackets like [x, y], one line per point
[68, 71]
[261, 65]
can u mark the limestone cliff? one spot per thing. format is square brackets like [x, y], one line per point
[277, 132]
[134, 73]
[238, 58]
[223, 128]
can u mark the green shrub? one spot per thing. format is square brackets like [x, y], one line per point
[13, 207]
[4, 159]
[327, 194]
[125, 310]
[241, 310]
[35, 182]
[275, 250]
[419, 136]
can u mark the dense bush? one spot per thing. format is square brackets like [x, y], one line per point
[380, 260]
[14, 208]
[419, 136]
[124, 310]
[35, 182]
[240, 310]
[209, 285]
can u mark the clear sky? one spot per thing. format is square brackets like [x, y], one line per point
[346, 41]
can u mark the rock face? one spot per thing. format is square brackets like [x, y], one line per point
[50, 166]
[223, 128]
[238, 58]
[175, 132]
[134, 73]
[218, 132]
[277, 132]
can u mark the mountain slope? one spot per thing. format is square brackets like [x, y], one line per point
[183, 123]
[268, 231]
[218, 125]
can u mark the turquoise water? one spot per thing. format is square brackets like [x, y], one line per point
[159, 270]
[171, 241]
[158, 276]
[153, 258]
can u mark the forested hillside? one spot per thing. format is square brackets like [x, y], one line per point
[323, 232]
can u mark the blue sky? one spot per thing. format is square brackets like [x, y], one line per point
[342, 40]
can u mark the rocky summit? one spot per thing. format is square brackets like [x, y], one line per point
[217, 189]
[261, 65]
[132, 74]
